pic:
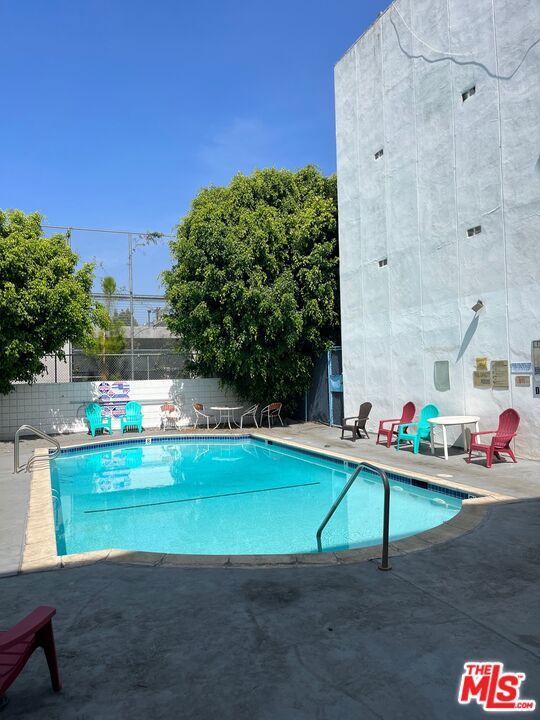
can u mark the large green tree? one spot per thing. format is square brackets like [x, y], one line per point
[45, 300]
[253, 292]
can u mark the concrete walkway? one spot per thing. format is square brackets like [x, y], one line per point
[326, 643]
[14, 496]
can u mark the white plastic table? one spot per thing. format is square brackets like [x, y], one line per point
[226, 415]
[447, 420]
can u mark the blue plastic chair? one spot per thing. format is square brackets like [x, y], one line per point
[96, 420]
[133, 417]
[423, 428]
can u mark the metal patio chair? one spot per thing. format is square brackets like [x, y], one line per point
[169, 416]
[200, 414]
[271, 412]
[250, 412]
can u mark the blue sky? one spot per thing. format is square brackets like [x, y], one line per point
[115, 113]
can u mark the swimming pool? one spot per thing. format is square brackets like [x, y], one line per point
[227, 496]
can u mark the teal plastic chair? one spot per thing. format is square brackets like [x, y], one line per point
[96, 420]
[133, 417]
[423, 428]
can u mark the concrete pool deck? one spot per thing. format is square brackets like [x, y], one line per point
[335, 643]
[344, 641]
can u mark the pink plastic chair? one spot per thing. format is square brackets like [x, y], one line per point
[18, 644]
[500, 443]
[407, 416]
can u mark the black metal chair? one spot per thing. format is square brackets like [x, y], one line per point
[359, 425]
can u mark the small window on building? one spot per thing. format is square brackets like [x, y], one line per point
[468, 93]
[474, 231]
[383, 262]
[379, 154]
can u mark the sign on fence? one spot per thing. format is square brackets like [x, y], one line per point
[113, 398]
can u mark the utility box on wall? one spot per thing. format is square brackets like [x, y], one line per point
[536, 368]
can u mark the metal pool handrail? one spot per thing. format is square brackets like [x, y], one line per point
[19, 468]
[384, 565]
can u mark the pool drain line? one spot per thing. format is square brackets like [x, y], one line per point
[202, 497]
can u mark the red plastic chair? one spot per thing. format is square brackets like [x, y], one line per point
[500, 443]
[407, 416]
[18, 644]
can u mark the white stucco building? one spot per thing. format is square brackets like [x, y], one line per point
[438, 160]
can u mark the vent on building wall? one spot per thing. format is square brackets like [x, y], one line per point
[379, 154]
[468, 93]
[474, 231]
[383, 262]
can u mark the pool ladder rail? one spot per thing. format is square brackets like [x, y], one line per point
[384, 564]
[17, 467]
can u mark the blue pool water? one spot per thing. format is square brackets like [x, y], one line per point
[226, 496]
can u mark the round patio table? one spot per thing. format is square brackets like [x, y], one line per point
[226, 415]
[448, 420]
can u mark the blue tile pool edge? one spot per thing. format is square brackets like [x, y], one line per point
[149, 440]
[396, 477]
[313, 452]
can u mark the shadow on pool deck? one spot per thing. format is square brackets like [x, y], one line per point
[343, 643]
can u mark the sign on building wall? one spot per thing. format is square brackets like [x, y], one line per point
[481, 363]
[499, 374]
[496, 377]
[519, 368]
[523, 380]
[482, 379]
[481, 374]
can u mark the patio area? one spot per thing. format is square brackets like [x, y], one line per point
[291, 642]
[520, 481]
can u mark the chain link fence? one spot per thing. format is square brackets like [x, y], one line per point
[80, 367]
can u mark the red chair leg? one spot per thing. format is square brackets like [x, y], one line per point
[511, 453]
[489, 457]
[45, 638]
[469, 458]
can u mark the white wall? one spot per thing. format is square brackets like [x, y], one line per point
[59, 408]
[448, 165]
